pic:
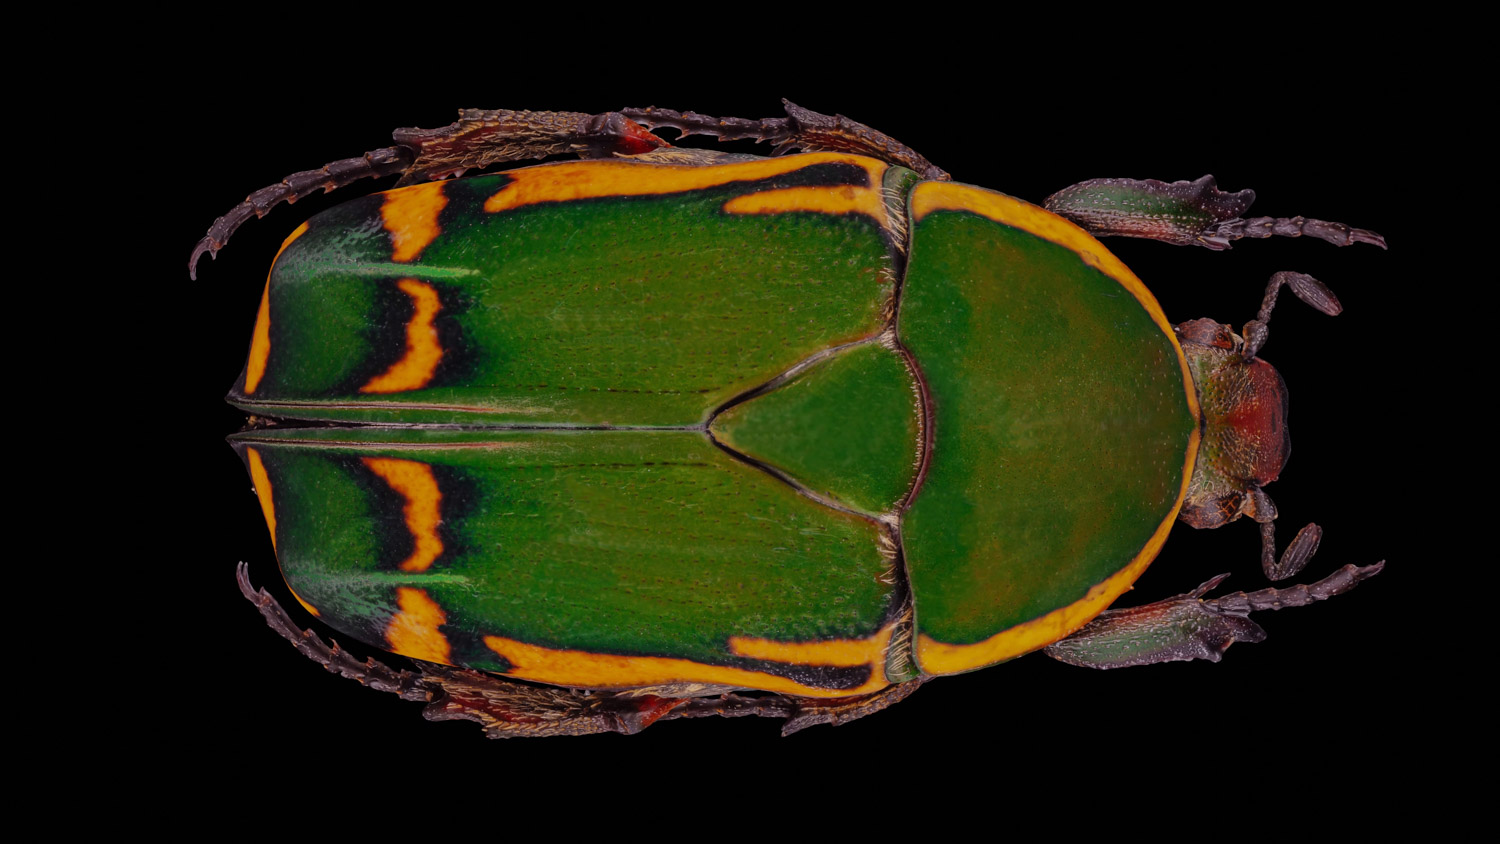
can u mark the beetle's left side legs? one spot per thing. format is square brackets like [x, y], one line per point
[1190, 627]
[1185, 213]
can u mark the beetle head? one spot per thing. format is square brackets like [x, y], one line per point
[1245, 443]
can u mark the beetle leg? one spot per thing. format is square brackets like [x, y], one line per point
[372, 165]
[480, 138]
[509, 709]
[1189, 627]
[477, 139]
[372, 673]
[1185, 213]
[799, 712]
[1307, 288]
[803, 129]
[1302, 548]
[505, 708]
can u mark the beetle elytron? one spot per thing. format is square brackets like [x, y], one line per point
[662, 427]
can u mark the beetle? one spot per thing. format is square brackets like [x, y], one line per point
[613, 133]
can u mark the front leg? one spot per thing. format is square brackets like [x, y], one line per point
[1189, 627]
[802, 129]
[1185, 214]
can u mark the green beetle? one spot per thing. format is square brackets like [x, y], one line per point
[685, 423]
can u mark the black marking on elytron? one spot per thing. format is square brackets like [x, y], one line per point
[386, 336]
[461, 495]
[817, 676]
[393, 539]
[466, 646]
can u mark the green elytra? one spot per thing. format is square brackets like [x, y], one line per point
[698, 428]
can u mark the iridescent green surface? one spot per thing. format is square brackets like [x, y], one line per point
[1060, 432]
[642, 310]
[627, 542]
[1060, 424]
[846, 428]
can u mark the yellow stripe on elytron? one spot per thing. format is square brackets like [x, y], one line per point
[936, 657]
[411, 216]
[262, 483]
[593, 179]
[608, 671]
[423, 511]
[844, 199]
[835, 652]
[260, 341]
[414, 630]
[423, 351]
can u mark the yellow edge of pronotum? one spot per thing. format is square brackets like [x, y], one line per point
[594, 179]
[612, 671]
[948, 196]
[928, 197]
[411, 216]
[939, 657]
[260, 341]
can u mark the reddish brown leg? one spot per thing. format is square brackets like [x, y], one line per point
[1185, 213]
[799, 712]
[1302, 548]
[481, 138]
[372, 165]
[1189, 627]
[477, 139]
[801, 129]
[508, 709]
[1307, 288]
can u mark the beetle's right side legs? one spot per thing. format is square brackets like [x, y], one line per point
[477, 139]
[802, 129]
[1185, 214]
[1189, 627]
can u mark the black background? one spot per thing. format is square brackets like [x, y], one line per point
[1318, 132]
